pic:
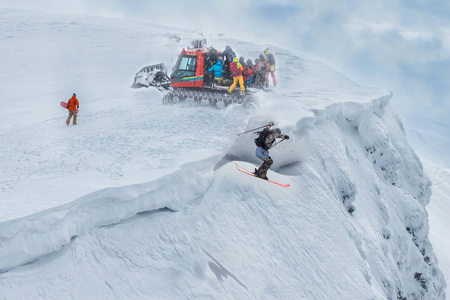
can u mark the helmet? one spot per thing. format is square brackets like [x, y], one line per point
[262, 58]
[227, 47]
[256, 60]
[242, 60]
[278, 130]
[266, 50]
[74, 94]
[249, 62]
[235, 59]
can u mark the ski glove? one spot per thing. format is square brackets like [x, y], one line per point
[285, 137]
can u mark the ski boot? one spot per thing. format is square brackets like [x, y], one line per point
[262, 176]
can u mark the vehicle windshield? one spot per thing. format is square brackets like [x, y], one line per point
[186, 67]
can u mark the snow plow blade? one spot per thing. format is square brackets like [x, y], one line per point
[154, 75]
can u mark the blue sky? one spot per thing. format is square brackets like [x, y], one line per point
[398, 45]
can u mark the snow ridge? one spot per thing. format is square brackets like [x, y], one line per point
[25, 240]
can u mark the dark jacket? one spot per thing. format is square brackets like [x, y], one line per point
[228, 55]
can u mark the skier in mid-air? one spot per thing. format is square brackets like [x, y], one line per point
[264, 142]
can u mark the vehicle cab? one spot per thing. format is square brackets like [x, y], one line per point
[189, 70]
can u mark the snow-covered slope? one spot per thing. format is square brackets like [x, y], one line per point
[176, 220]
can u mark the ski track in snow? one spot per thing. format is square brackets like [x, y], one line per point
[176, 220]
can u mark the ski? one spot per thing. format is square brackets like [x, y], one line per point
[251, 174]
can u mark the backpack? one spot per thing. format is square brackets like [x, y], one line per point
[260, 141]
[271, 59]
[245, 73]
[233, 68]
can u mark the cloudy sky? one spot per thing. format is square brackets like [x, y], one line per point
[398, 45]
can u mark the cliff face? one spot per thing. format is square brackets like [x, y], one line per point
[359, 154]
[380, 179]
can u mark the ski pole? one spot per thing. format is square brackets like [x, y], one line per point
[277, 143]
[270, 124]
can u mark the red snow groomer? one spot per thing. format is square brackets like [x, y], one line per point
[190, 78]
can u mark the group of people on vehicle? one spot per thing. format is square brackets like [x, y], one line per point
[225, 65]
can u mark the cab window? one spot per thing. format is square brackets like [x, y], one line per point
[186, 66]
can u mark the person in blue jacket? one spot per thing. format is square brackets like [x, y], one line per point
[217, 68]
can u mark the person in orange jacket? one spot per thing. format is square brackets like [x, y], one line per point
[236, 69]
[72, 106]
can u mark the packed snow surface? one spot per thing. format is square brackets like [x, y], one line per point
[143, 201]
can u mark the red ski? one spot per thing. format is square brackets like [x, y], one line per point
[251, 174]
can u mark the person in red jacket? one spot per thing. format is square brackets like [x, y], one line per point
[251, 71]
[236, 71]
[72, 106]
[247, 74]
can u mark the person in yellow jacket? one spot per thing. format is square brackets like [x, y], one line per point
[236, 70]
[272, 66]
